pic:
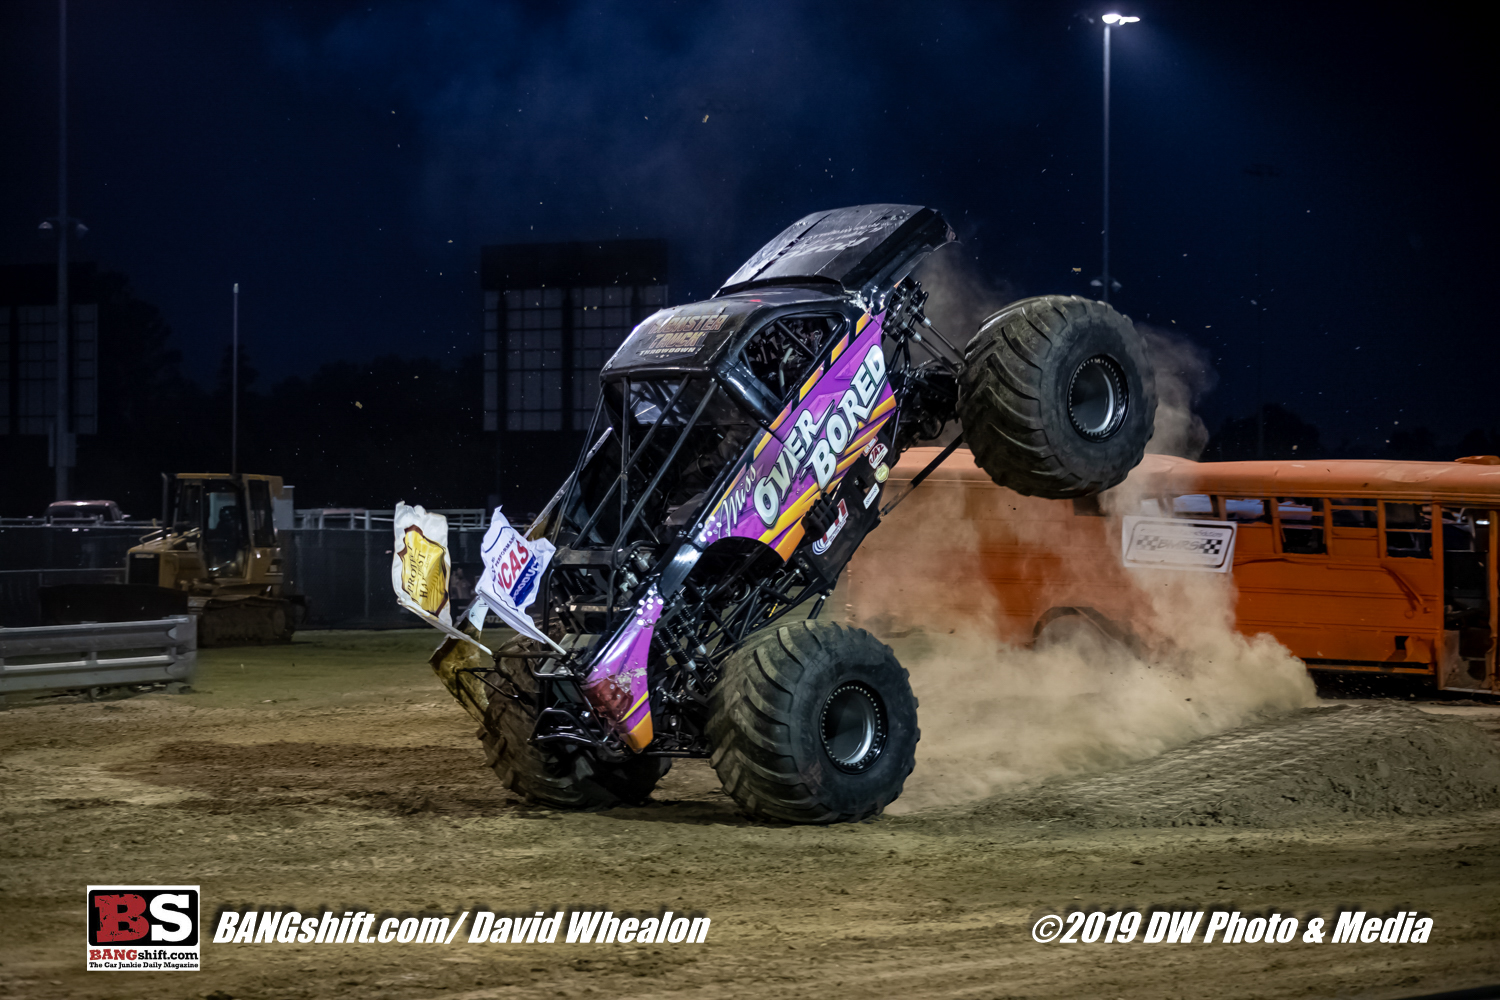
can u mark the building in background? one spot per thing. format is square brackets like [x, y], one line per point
[28, 350]
[553, 314]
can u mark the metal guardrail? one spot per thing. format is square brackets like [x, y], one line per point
[369, 519]
[105, 654]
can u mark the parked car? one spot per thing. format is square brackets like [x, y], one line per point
[96, 511]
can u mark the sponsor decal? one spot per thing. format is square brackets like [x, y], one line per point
[420, 568]
[870, 496]
[1230, 927]
[680, 334]
[882, 471]
[821, 545]
[875, 452]
[512, 577]
[424, 573]
[142, 928]
[819, 442]
[1174, 543]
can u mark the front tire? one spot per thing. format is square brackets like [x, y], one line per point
[813, 723]
[562, 777]
[1057, 397]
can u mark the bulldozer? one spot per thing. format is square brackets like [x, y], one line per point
[215, 556]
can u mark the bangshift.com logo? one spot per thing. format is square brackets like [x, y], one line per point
[143, 928]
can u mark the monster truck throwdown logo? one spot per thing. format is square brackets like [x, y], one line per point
[1168, 543]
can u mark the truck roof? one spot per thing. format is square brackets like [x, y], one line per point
[862, 249]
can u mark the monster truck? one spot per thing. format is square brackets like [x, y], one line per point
[737, 458]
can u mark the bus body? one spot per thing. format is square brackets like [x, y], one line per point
[1376, 566]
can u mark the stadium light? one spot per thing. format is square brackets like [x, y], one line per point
[1110, 20]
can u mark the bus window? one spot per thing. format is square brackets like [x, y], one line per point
[1465, 548]
[1408, 530]
[1301, 525]
[1193, 505]
[1355, 512]
[1246, 511]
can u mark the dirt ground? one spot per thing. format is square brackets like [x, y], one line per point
[336, 772]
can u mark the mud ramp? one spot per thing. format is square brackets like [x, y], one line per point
[1314, 765]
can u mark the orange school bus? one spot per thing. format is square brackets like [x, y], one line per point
[1374, 566]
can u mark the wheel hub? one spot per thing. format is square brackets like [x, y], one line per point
[1097, 397]
[853, 727]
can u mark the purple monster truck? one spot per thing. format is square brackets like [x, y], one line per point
[738, 457]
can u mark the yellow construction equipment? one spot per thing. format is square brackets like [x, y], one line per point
[216, 555]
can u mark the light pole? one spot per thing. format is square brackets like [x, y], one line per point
[1110, 20]
[62, 438]
[234, 387]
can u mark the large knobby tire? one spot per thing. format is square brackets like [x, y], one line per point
[813, 723]
[1057, 396]
[558, 776]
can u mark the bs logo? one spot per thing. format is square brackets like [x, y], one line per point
[143, 916]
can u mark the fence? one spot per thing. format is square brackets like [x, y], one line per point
[340, 559]
[98, 655]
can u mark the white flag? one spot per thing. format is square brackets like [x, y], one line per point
[512, 577]
[420, 568]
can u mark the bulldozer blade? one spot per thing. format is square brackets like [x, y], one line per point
[76, 603]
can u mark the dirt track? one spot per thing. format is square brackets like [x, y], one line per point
[336, 771]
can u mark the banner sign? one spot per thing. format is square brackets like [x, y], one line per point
[420, 568]
[1177, 543]
[512, 577]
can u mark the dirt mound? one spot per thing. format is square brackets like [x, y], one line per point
[1309, 766]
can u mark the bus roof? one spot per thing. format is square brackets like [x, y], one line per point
[1465, 482]
[1459, 481]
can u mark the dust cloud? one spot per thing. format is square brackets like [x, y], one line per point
[997, 715]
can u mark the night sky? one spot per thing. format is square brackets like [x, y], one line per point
[344, 162]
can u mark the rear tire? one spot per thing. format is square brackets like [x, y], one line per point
[813, 723]
[1057, 396]
[561, 777]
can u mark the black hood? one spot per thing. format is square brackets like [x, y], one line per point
[866, 249]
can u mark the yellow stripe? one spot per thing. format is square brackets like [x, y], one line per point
[784, 414]
[810, 382]
[760, 446]
[871, 428]
[631, 711]
[792, 513]
[839, 349]
[859, 443]
[640, 734]
[788, 545]
[863, 322]
[883, 408]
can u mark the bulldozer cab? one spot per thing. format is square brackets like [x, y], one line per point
[232, 515]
